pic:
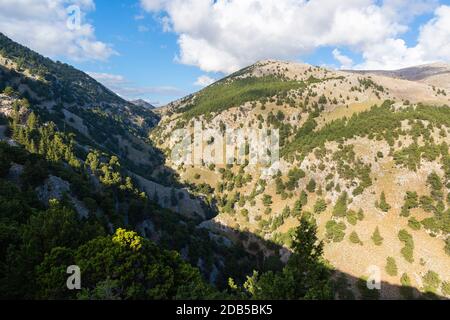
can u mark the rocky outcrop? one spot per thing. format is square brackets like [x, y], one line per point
[56, 188]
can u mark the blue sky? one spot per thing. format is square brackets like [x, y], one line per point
[161, 50]
[146, 54]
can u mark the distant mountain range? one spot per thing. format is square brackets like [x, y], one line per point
[437, 74]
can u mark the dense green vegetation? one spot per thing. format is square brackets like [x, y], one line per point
[58, 81]
[234, 92]
[39, 241]
[380, 122]
[305, 276]
[130, 248]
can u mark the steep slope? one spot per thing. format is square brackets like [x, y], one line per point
[70, 97]
[143, 103]
[365, 156]
[90, 161]
[98, 118]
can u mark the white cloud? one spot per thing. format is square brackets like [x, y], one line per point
[346, 62]
[225, 35]
[43, 26]
[129, 90]
[433, 45]
[204, 81]
[107, 78]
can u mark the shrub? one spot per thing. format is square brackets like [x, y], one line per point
[340, 208]
[352, 217]
[414, 224]
[408, 249]
[360, 215]
[382, 204]
[311, 186]
[445, 288]
[320, 206]
[408, 254]
[391, 266]
[406, 290]
[9, 91]
[267, 200]
[335, 231]
[377, 238]
[431, 282]
[411, 201]
[354, 238]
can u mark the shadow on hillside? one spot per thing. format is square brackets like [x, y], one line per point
[268, 255]
[265, 255]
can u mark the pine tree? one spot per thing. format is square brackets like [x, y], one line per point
[377, 238]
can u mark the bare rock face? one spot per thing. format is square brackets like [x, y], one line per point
[185, 205]
[55, 188]
[143, 103]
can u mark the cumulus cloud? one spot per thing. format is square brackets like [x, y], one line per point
[128, 90]
[433, 45]
[204, 81]
[346, 62]
[225, 35]
[49, 27]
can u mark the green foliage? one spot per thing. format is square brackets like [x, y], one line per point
[354, 238]
[434, 181]
[414, 224]
[304, 277]
[311, 186]
[294, 175]
[352, 217]
[320, 206]
[335, 231]
[9, 91]
[380, 121]
[447, 246]
[382, 204]
[340, 208]
[391, 266]
[445, 288]
[377, 238]
[267, 200]
[58, 81]
[408, 250]
[411, 201]
[141, 269]
[406, 290]
[431, 282]
[352, 169]
[232, 93]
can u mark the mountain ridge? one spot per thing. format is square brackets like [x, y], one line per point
[364, 158]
